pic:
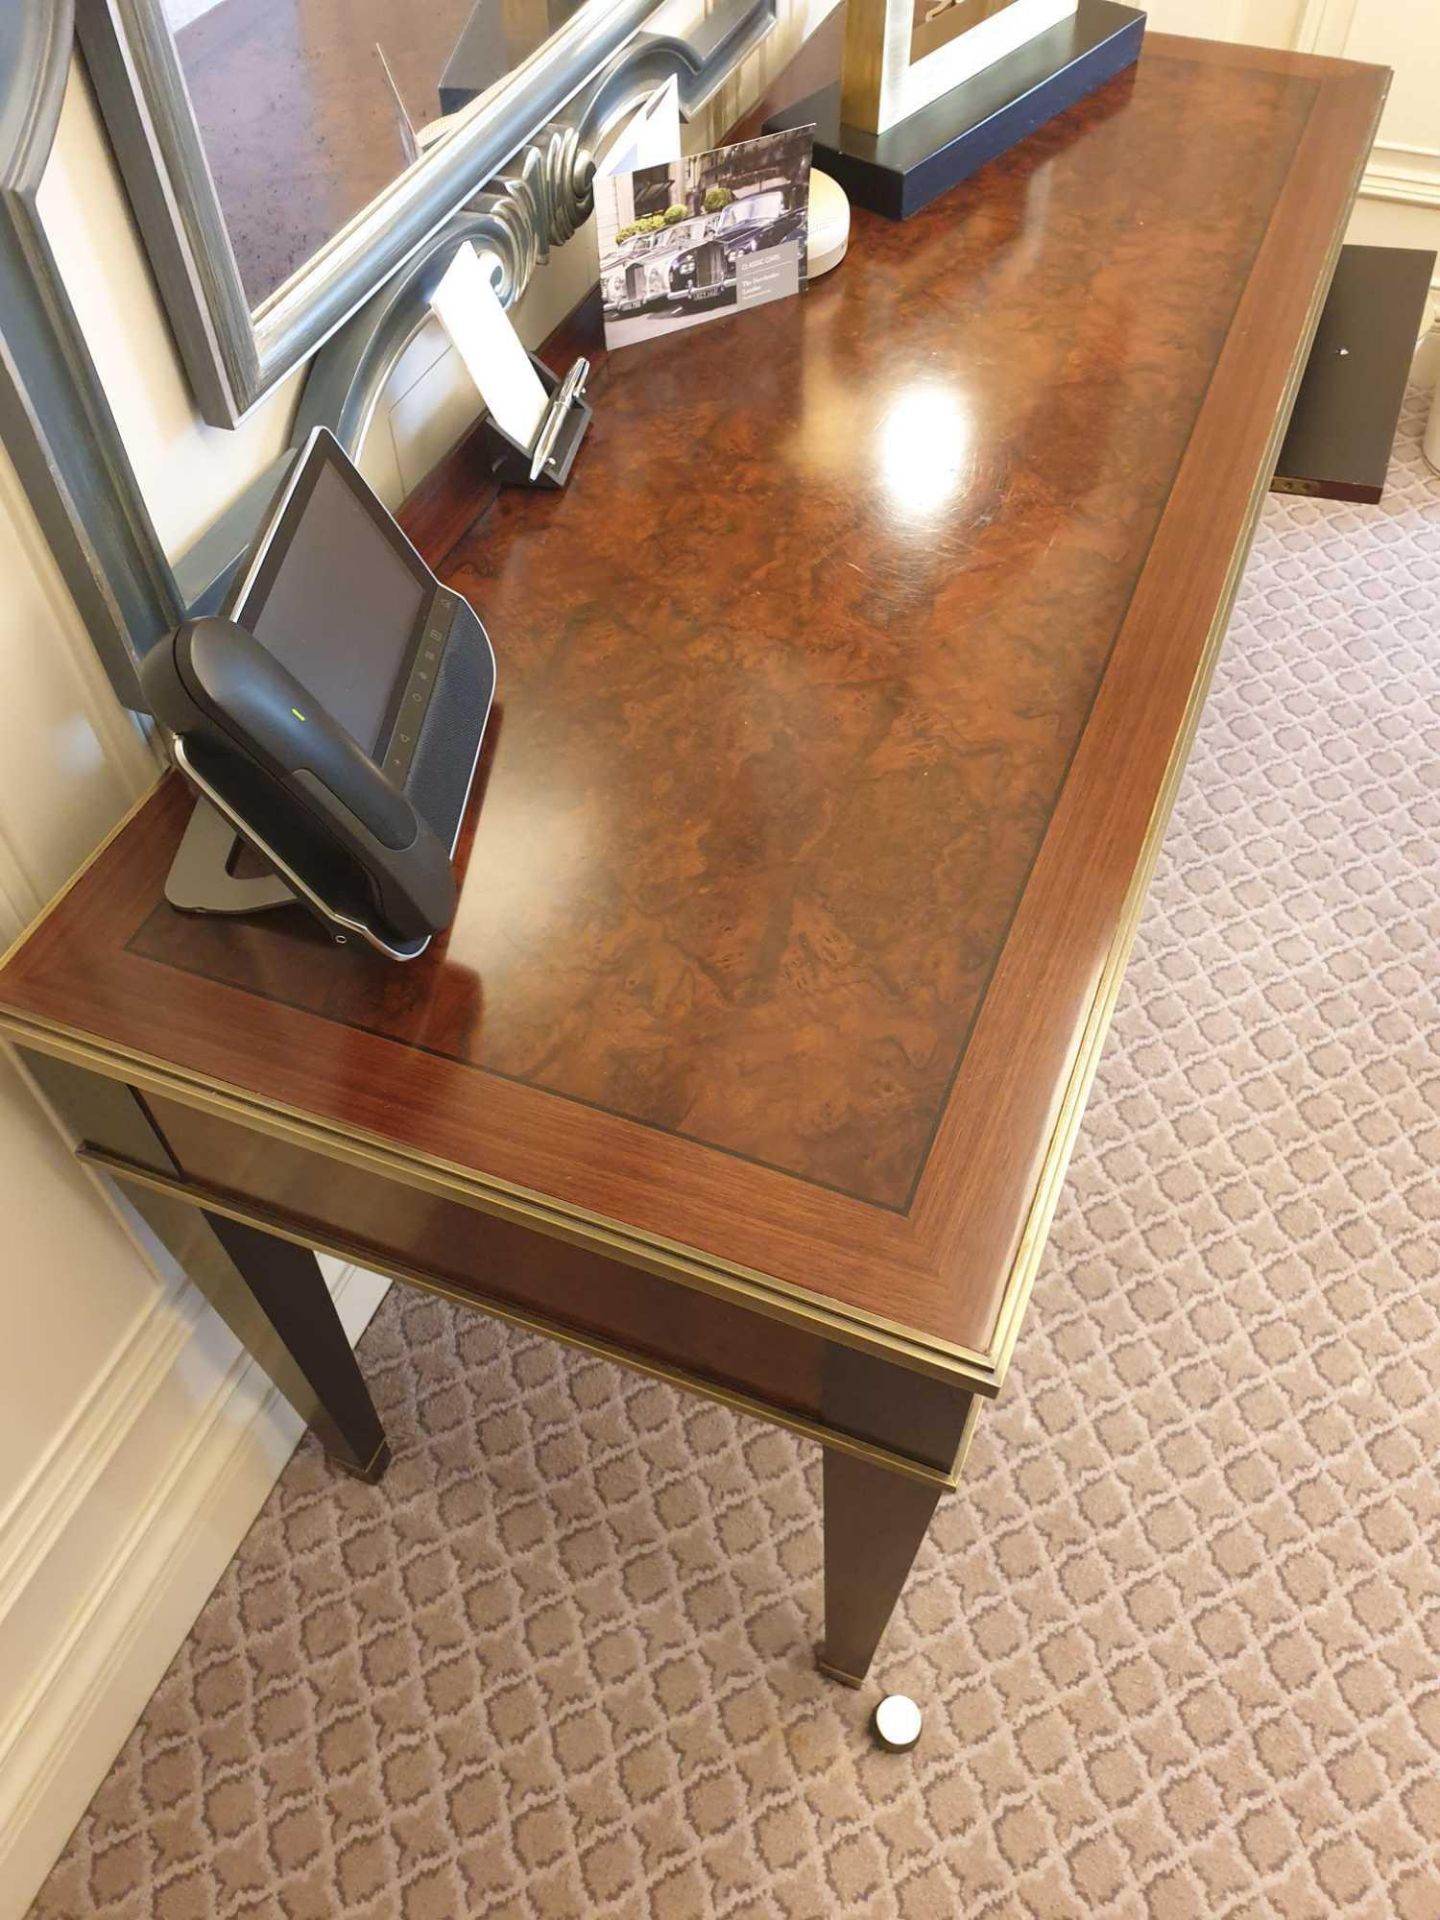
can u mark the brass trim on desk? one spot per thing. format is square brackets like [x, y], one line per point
[761, 1293]
[976, 1371]
[1025, 1266]
[38, 920]
[302, 1233]
[1016, 1258]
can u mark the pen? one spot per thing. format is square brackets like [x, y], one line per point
[566, 394]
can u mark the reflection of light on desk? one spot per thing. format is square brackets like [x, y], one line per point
[924, 445]
[527, 866]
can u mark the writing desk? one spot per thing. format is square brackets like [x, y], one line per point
[844, 694]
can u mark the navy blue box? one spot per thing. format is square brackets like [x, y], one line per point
[898, 172]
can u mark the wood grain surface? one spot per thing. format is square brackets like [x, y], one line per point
[842, 696]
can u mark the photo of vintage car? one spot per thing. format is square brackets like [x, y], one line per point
[639, 279]
[703, 269]
[693, 238]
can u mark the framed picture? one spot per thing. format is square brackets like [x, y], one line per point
[902, 54]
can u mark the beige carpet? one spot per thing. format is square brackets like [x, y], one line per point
[1178, 1635]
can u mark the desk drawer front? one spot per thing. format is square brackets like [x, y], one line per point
[575, 1291]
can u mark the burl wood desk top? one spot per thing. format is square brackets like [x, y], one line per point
[843, 695]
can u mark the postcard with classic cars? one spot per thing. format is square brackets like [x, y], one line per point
[703, 236]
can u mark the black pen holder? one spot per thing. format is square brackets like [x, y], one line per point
[511, 463]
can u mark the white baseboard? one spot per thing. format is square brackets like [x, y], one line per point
[115, 1548]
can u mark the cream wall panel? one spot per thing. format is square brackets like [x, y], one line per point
[135, 1443]
[74, 1294]
[188, 472]
[1257, 23]
[62, 719]
[1405, 35]
[73, 762]
[1399, 204]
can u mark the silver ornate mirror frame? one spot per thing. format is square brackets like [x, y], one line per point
[525, 185]
[234, 356]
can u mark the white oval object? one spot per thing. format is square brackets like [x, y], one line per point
[828, 233]
[897, 1723]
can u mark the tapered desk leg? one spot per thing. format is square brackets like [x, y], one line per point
[290, 1290]
[875, 1520]
[270, 1293]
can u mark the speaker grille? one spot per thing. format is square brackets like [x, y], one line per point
[439, 780]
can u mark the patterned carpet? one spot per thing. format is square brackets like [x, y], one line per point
[1179, 1633]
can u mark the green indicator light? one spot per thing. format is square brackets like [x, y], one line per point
[297, 713]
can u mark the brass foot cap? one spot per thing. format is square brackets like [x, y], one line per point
[896, 1723]
[838, 1673]
[373, 1471]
